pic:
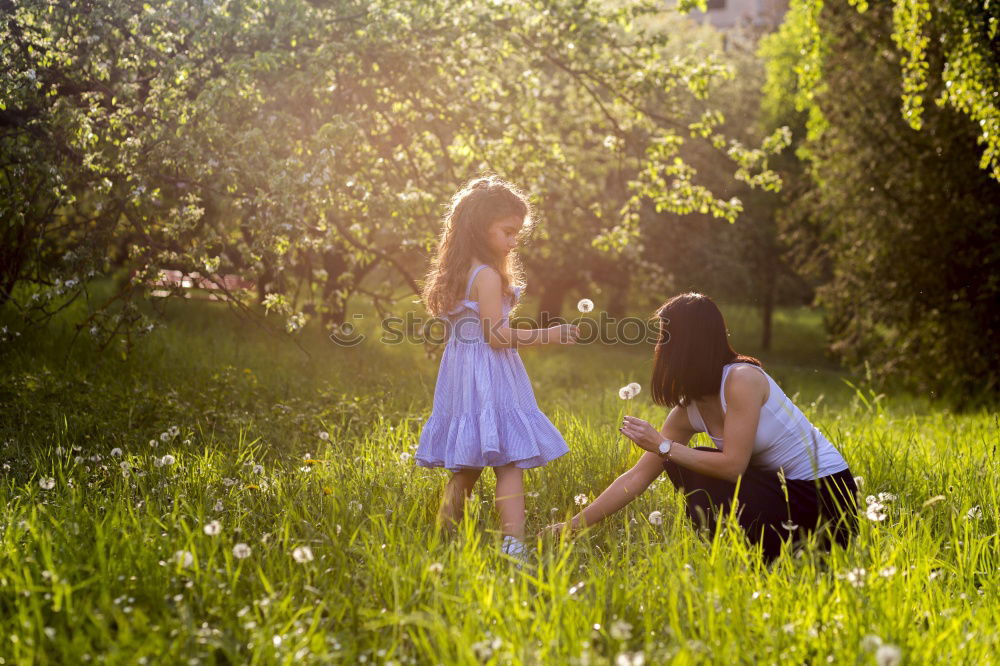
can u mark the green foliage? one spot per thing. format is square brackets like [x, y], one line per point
[310, 146]
[898, 214]
[947, 49]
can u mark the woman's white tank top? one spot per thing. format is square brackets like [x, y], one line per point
[785, 438]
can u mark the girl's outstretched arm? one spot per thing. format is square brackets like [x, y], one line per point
[497, 333]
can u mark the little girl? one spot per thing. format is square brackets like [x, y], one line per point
[484, 413]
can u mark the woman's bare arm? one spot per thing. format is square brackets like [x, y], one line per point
[634, 482]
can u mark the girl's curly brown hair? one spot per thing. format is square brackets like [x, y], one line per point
[480, 203]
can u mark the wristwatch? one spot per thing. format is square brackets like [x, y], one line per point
[665, 447]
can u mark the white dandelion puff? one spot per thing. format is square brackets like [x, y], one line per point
[859, 481]
[324, 435]
[656, 518]
[184, 557]
[47, 483]
[241, 551]
[620, 630]
[164, 436]
[974, 513]
[580, 499]
[405, 456]
[856, 577]
[585, 305]
[635, 388]
[626, 393]
[167, 460]
[876, 512]
[302, 554]
[887, 572]
[116, 452]
[871, 499]
[174, 431]
[258, 469]
[436, 568]
[218, 506]
[213, 528]
[789, 525]
[152, 443]
[888, 655]
[886, 497]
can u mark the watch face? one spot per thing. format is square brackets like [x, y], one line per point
[664, 446]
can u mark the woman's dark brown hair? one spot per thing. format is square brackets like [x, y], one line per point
[691, 351]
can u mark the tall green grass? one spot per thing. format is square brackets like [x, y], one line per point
[90, 570]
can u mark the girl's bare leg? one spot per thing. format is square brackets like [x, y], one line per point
[510, 500]
[459, 488]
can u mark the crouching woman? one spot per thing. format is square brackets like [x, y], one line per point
[787, 478]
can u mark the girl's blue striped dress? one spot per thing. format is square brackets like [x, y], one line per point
[484, 413]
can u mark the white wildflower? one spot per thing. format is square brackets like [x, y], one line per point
[184, 557]
[789, 525]
[888, 655]
[585, 305]
[876, 512]
[167, 460]
[218, 506]
[620, 630]
[656, 518]
[47, 483]
[625, 393]
[405, 456]
[241, 551]
[325, 436]
[635, 388]
[302, 554]
[164, 436]
[859, 481]
[116, 452]
[887, 572]
[974, 513]
[580, 499]
[886, 497]
[434, 568]
[174, 431]
[213, 528]
[152, 443]
[856, 577]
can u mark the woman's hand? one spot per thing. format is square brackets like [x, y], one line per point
[642, 433]
[554, 530]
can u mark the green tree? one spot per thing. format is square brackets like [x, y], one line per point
[905, 216]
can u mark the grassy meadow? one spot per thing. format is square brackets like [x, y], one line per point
[219, 497]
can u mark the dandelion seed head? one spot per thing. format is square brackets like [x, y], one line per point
[886, 497]
[324, 435]
[302, 554]
[116, 452]
[213, 528]
[620, 630]
[434, 568]
[635, 388]
[626, 393]
[184, 557]
[876, 512]
[789, 525]
[888, 655]
[585, 305]
[405, 456]
[580, 499]
[47, 483]
[656, 518]
[974, 513]
[241, 551]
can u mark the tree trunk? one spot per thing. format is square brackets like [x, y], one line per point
[769, 283]
[551, 302]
